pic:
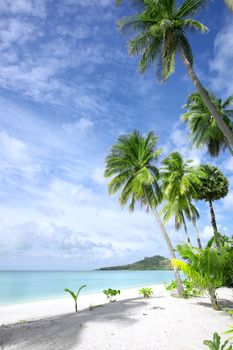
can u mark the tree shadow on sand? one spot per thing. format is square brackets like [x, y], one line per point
[63, 332]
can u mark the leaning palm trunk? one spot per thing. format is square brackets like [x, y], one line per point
[230, 149]
[206, 99]
[197, 234]
[213, 298]
[214, 225]
[170, 248]
[186, 230]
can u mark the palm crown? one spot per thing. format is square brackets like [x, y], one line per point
[179, 183]
[131, 164]
[179, 177]
[203, 128]
[160, 32]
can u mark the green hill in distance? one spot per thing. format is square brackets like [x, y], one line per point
[156, 262]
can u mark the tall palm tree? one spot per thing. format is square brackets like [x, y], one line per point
[214, 186]
[204, 130]
[179, 187]
[130, 164]
[160, 27]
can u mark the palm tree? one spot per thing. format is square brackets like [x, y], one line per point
[213, 186]
[130, 164]
[179, 185]
[160, 28]
[204, 130]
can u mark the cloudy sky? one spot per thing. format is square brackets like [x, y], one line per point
[67, 90]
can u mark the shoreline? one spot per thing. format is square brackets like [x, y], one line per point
[40, 309]
[84, 293]
[160, 322]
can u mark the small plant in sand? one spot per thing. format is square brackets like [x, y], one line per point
[111, 293]
[146, 292]
[190, 290]
[75, 296]
[215, 344]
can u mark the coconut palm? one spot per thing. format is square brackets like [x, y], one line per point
[130, 164]
[213, 186]
[160, 27]
[179, 185]
[204, 130]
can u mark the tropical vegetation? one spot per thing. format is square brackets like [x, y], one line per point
[131, 167]
[161, 28]
[206, 268]
[203, 129]
[213, 186]
[180, 180]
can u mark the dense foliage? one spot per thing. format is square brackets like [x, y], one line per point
[214, 185]
[206, 267]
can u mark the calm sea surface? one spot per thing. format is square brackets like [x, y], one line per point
[26, 286]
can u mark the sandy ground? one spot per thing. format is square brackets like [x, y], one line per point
[161, 322]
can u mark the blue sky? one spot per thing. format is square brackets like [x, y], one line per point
[67, 90]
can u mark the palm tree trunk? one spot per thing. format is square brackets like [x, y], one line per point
[213, 298]
[170, 248]
[229, 148]
[186, 229]
[214, 225]
[198, 236]
[206, 99]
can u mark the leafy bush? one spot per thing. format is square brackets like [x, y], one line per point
[146, 292]
[190, 290]
[75, 296]
[111, 293]
[215, 344]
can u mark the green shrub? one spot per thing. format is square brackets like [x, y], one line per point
[190, 289]
[146, 292]
[215, 344]
[111, 293]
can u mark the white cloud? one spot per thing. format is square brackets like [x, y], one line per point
[228, 165]
[222, 62]
[207, 232]
[24, 7]
[82, 126]
[228, 201]
[13, 150]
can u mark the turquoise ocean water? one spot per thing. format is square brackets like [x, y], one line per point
[26, 286]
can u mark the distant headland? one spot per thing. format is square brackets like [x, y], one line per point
[156, 262]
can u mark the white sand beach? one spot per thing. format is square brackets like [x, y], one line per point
[161, 322]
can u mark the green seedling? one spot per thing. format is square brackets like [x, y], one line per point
[215, 344]
[75, 296]
[146, 292]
